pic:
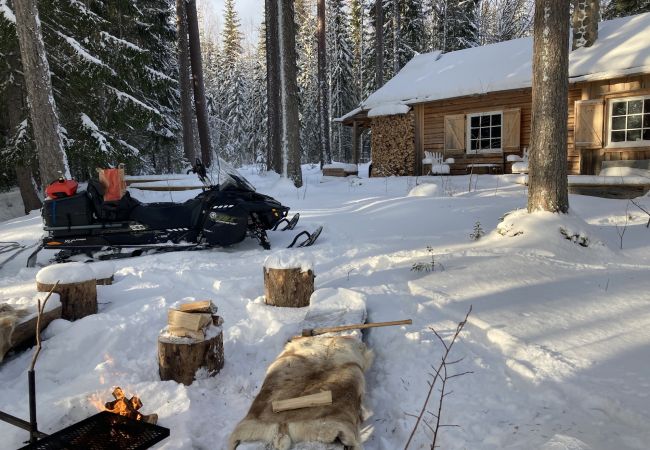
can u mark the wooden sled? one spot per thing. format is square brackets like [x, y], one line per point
[333, 362]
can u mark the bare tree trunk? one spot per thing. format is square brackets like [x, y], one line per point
[548, 190]
[45, 123]
[396, 36]
[323, 97]
[184, 81]
[274, 147]
[379, 43]
[289, 93]
[199, 87]
[16, 103]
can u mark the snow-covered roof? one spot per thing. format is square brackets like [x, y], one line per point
[622, 48]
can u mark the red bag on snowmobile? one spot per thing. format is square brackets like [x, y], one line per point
[113, 182]
[62, 188]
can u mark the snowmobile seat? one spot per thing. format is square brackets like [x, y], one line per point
[110, 211]
[161, 216]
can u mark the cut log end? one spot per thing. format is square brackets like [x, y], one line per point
[290, 288]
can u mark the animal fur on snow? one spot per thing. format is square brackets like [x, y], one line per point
[308, 366]
[9, 316]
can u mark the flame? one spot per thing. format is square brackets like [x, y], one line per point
[96, 402]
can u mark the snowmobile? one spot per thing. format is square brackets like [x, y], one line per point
[224, 214]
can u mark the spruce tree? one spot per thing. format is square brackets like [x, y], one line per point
[341, 76]
[454, 24]
[621, 8]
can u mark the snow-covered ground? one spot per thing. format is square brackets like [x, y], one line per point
[558, 340]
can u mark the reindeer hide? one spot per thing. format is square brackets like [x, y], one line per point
[308, 366]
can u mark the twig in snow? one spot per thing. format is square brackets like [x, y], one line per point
[647, 225]
[621, 230]
[41, 311]
[440, 373]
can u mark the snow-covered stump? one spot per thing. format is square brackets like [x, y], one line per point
[104, 272]
[77, 288]
[288, 279]
[180, 358]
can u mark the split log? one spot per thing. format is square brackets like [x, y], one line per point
[290, 287]
[180, 358]
[77, 288]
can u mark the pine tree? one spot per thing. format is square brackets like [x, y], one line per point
[621, 8]
[547, 180]
[306, 46]
[453, 24]
[341, 76]
[231, 36]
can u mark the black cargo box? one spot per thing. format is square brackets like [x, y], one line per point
[68, 211]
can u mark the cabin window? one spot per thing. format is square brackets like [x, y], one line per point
[629, 122]
[484, 132]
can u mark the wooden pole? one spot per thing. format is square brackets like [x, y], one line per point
[361, 326]
[323, 98]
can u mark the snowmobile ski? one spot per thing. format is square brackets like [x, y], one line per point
[290, 224]
[14, 248]
[309, 241]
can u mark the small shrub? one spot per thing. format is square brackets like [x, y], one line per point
[478, 232]
[429, 266]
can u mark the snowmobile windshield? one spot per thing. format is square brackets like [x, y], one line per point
[227, 176]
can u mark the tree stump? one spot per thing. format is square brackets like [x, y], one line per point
[77, 288]
[180, 358]
[104, 272]
[290, 287]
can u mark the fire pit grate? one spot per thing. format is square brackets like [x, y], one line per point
[104, 430]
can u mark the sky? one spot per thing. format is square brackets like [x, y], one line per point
[251, 12]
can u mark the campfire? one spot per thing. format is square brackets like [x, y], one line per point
[128, 407]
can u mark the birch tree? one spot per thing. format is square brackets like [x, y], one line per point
[52, 159]
[547, 180]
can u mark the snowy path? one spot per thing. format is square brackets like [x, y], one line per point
[558, 340]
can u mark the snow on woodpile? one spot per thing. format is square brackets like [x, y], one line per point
[507, 65]
[68, 273]
[388, 109]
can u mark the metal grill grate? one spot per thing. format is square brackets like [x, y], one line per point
[104, 430]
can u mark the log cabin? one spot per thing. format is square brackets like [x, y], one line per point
[474, 105]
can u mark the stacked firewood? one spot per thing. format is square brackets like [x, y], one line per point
[393, 145]
[191, 320]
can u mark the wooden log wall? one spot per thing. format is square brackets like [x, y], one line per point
[607, 90]
[431, 133]
[393, 145]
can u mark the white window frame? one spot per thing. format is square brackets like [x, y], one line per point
[468, 133]
[610, 144]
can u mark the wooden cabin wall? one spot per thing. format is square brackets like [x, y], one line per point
[393, 145]
[431, 132]
[606, 90]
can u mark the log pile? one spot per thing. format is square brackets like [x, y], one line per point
[192, 340]
[393, 145]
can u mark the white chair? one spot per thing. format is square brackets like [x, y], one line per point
[438, 167]
[520, 164]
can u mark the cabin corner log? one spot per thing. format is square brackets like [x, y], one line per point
[180, 359]
[289, 288]
[78, 299]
